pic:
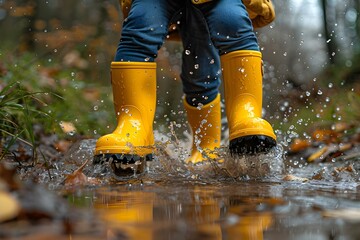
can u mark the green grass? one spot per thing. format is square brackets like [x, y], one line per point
[38, 93]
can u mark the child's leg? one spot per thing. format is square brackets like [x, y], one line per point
[201, 70]
[201, 79]
[145, 29]
[229, 25]
[231, 31]
[133, 78]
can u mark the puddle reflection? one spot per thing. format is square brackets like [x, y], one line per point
[183, 213]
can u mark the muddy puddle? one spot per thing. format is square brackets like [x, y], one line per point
[262, 197]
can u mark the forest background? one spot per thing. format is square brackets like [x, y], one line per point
[55, 60]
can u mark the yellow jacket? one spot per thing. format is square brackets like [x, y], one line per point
[261, 12]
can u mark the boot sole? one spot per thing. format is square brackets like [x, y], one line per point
[251, 145]
[124, 165]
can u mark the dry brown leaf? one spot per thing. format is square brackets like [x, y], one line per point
[9, 177]
[325, 135]
[341, 127]
[318, 154]
[349, 214]
[9, 207]
[292, 178]
[349, 168]
[77, 177]
[67, 127]
[299, 145]
[63, 145]
[345, 146]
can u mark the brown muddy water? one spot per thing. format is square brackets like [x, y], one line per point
[262, 197]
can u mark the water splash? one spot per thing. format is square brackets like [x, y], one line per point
[169, 163]
[169, 166]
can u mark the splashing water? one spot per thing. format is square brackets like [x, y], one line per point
[169, 165]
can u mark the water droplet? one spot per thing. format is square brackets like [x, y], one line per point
[242, 70]
[71, 133]
[187, 52]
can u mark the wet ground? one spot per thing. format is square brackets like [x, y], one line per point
[263, 197]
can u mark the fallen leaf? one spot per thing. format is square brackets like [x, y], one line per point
[349, 214]
[342, 173]
[23, 154]
[67, 127]
[345, 146]
[293, 178]
[9, 207]
[9, 177]
[325, 135]
[77, 177]
[319, 175]
[341, 127]
[318, 154]
[299, 145]
[63, 145]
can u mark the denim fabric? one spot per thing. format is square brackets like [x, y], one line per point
[201, 68]
[208, 30]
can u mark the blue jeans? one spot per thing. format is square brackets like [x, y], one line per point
[208, 30]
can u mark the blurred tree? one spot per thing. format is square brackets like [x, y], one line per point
[28, 10]
[341, 27]
[329, 20]
[357, 23]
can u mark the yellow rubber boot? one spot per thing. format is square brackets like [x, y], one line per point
[205, 123]
[242, 76]
[134, 93]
